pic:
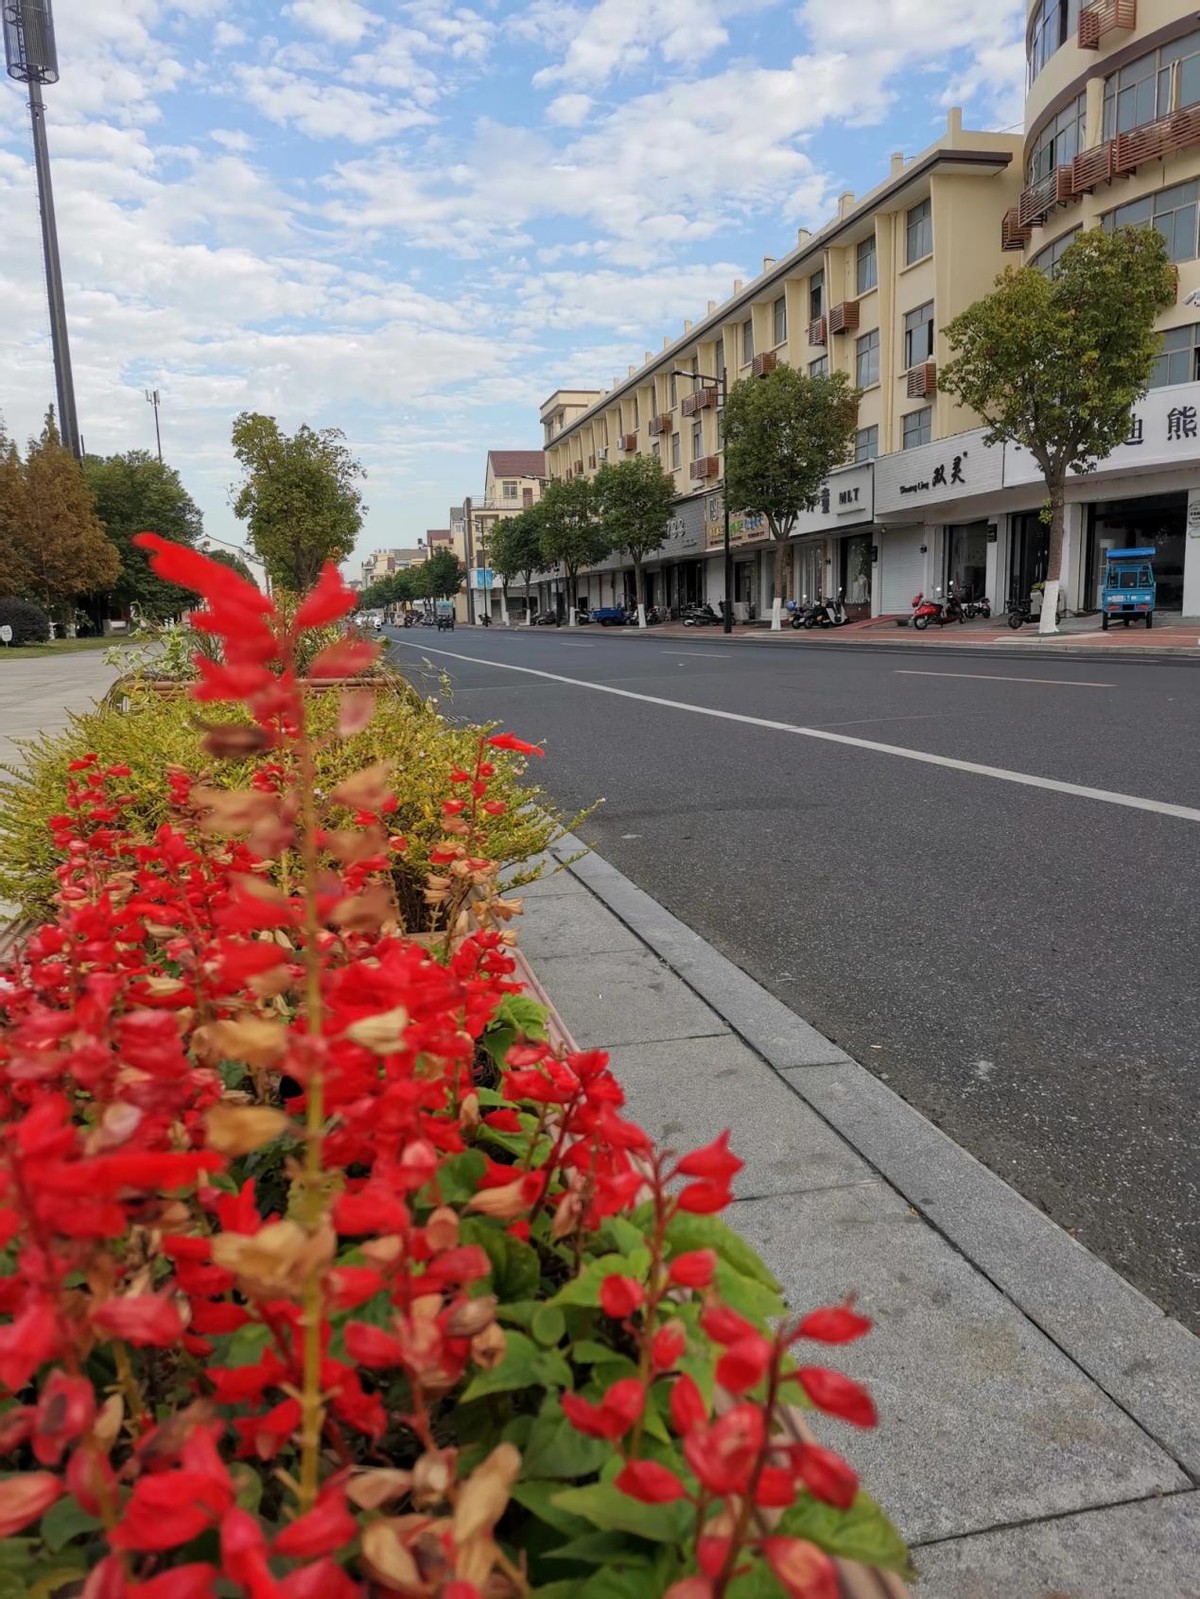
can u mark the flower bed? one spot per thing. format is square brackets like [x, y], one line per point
[327, 1273]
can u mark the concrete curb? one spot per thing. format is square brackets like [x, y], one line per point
[1145, 1362]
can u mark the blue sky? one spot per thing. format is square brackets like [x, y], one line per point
[414, 221]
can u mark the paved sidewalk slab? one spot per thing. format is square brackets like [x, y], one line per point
[624, 999]
[37, 695]
[1151, 1550]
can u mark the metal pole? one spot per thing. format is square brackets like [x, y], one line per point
[152, 396]
[68, 421]
[467, 541]
[727, 619]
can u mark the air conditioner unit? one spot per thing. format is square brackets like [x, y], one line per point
[659, 424]
[604, 454]
[844, 318]
[765, 363]
[922, 381]
[627, 443]
[816, 331]
[708, 466]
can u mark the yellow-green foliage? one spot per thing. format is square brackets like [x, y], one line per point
[150, 732]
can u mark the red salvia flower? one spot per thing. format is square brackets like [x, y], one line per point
[326, 1527]
[803, 1570]
[694, 1269]
[651, 1483]
[621, 1296]
[715, 1161]
[837, 1395]
[837, 1324]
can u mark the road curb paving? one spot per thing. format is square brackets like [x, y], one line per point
[1144, 1361]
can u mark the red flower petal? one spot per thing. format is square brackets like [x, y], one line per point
[329, 600]
[714, 1162]
[651, 1483]
[621, 1296]
[837, 1395]
[804, 1571]
[835, 1324]
[693, 1270]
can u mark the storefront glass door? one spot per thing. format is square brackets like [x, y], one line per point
[810, 570]
[966, 560]
[1030, 555]
[1157, 522]
[856, 574]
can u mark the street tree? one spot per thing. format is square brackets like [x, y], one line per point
[634, 501]
[55, 549]
[441, 576]
[784, 434]
[135, 493]
[571, 534]
[233, 561]
[1054, 363]
[516, 551]
[298, 498]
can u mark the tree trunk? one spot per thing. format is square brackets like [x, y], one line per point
[504, 603]
[781, 555]
[570, 599]
[530, 607]
[1049, 618]
[639, 592]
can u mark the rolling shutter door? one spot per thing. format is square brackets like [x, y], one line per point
[903, 568]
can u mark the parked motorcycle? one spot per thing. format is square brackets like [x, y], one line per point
[981, 607]
[1029, 609]
[806, 615]
[925, 610]
[546, 619]
[824, 613]
[953, 610]
[699, 616]
[410, 618]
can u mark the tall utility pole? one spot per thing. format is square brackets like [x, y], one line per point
[33, 59]
[152, 399]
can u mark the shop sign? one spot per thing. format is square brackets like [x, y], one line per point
[745, 527]
[846, 497]
[685, 530]
[1193, 514]
[1164, 430]
[951, 469]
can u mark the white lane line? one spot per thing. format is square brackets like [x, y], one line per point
[698, 655]
[995, 677]
[1054, 785]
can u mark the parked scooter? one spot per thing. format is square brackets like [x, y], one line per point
[806, 615]
[546, 619]
[974, 608]
[410, 618]
[925, 610]
[699, 616]
[824, 613]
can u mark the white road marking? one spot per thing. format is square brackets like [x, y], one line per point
[995, 677]
[698, 655]
[1054, 785]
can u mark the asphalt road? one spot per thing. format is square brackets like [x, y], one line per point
[1018, 962]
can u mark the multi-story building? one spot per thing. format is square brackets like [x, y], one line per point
[866, 295]
[513, 481]
[382, 563]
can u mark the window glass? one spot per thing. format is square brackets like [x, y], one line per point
[866, 444]
[867, 265]
[1153, 86]
[1047, 260]
[719, 358]
[867, 359]
[676, 453]
[816, 296]
[819, 368]
[780, 319]
[1177, 358]
[918, 335]
[635, 411]
[674, 383]
[1172, 211]
[920, 232]
[697, 441]
[918, 427]
[1059, 142]
[747, 341]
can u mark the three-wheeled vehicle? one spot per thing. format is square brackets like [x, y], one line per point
[445, 616]
[1129, 588]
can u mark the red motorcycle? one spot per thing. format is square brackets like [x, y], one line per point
[926, 610]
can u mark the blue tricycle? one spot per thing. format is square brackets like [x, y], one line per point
[1129, 588]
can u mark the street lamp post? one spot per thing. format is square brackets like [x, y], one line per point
[32, 59]
[721, 384]
[152, 399]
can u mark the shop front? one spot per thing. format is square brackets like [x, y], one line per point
[966, 559]
[1157, 522]
[835, 541]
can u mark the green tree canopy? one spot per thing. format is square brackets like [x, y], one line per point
[441, 576]
[52, 546]
[634, 501]
[1055, 363]
[571, 534]
[298, 497]
[135, 492]
[784, 434]
[516, 549]
[233, 561]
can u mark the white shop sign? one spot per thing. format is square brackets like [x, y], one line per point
[846, 497]
[951, 469]
[1163, 431]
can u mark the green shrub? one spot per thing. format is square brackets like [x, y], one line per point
[29, 622]
[151, 732]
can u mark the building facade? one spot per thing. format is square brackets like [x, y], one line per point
[513, 481]
[383, 563]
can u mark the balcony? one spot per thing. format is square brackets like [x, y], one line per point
[922, 381]
[659, 424]
[1097, 21]
[1012, 235]
[708, 466]
[816, 331]
[700, 400]
[844, 318]
[1093, 167]
[767, 362]
[1153, 140]
[1040, 198]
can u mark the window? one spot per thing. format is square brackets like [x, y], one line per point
[655, 450]
[918, 427]
[747, 342]
[919, 228]
[866, 365]
[1178, 360]
[674, 389]
[1059, 142]
[866, 444]
[676, 456]
[1172, 211]
[779, 314]
[1052, 24]
[697, 440]
[819, 368]
[719, 358]
[510, 491]
[1153, 86]
[867, 267]
[918, 335]
[635, 413]
[816, 296]
[1047, 260]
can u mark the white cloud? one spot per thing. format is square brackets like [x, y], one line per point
[323, 110]
[236, 139]
[339, 21]
[569, 110]
[227, 35]
[618, 35]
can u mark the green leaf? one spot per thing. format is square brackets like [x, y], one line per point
[246, 1345]
[606, 1507]
[11, 1586]
[861, 1533]
[538, 1498]
[747, 1296]
[624, 1234]
[686, 1232]
[556, 1450]
[549, 1325]
[585, 1289]
[524, 1366]
[458, 1177]
[62, 1580]
[516, 1269]
[66, 1520]
[18, 1554]
[588, 1352]
[603, 1549]
[515, 1015]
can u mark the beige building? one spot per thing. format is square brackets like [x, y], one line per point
[382, 563]
[513, 480]
[866, 295]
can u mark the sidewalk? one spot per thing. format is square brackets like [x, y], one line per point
[1040, 1419]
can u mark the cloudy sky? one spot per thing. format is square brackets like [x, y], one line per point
[413, 221]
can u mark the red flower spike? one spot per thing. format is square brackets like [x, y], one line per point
[372, 1347]
[711, 1553]
[621, 1296]
[178, 564]
[195, 1581]
[723, 1456]
[140, 1319]
[704, 1198]
[329, 600]
[244, 1554]
[826, 1475]
[774, 1489]
[693, 1270]
[613, 1416]
[688, 1410]
[506, 741]
[725, 1326]
[803, 1570]
[65, 1410]
[667, 1346]
[714, 1162]
[744, 1364]
[344, 658]
[837, 1395]
[690, 1588]
[651, 1483]
[23, 1499]
[324, 1579]
[326, 1527]
[837, 1324]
